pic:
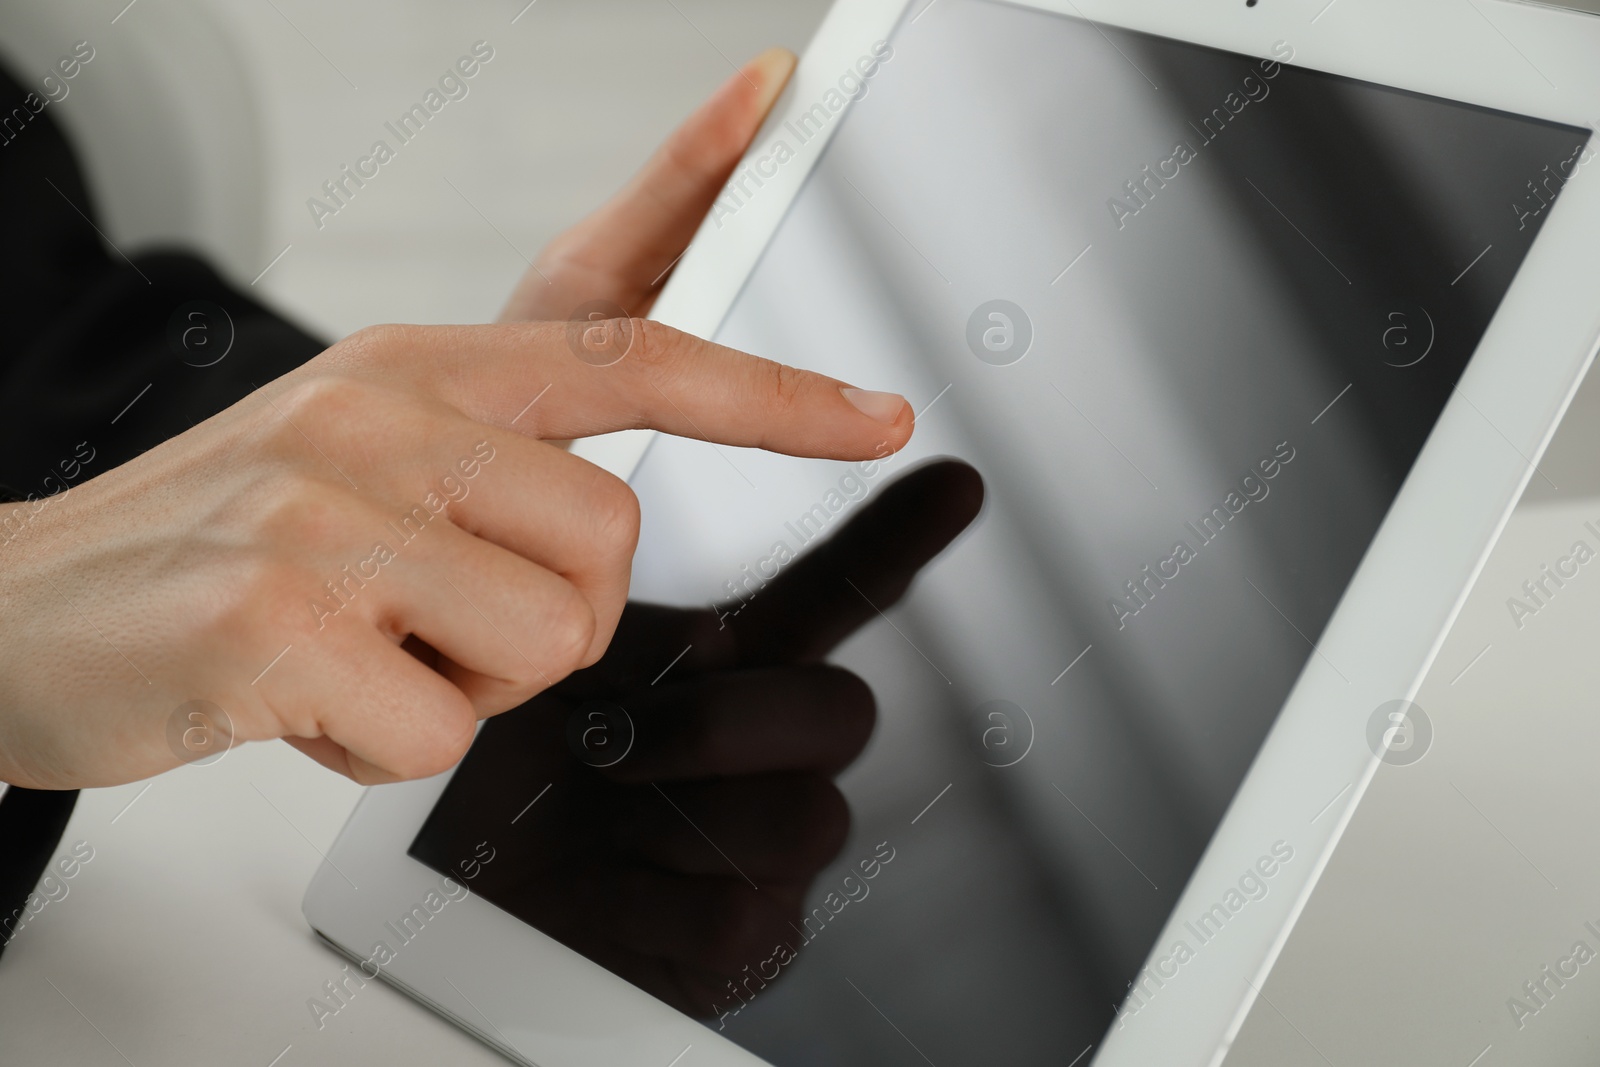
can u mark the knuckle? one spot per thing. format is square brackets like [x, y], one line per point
[614, 513]
[784, 383]
[560, 248]
[453, 729]
[319, 400]
[301, 513]
[447, 729]
[655, 344]
[569, 632]
[371, 343]
[298, 533]
[265, 597]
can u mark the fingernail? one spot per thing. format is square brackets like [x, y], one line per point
[880, 407]
[770, 72]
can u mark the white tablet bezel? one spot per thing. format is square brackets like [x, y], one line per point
[540, 1002]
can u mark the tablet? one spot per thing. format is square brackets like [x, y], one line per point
[1234, 331]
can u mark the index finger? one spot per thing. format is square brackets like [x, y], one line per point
[664, 380]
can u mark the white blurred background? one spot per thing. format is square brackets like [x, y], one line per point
[214, 122]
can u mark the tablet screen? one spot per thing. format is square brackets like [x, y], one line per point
[1177, 323]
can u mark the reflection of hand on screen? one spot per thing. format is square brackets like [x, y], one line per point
[690, 807]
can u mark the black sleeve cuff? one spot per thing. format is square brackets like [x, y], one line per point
[31, 824]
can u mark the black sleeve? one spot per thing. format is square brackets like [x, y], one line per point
[31, 823]
[89, 333]
[103, 358]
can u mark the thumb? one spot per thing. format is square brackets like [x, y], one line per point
[626, 249]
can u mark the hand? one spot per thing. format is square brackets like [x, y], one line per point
[392, 496]
[739, 742]
[380, 548]
[624, 252]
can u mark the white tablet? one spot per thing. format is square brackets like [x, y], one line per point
[1235, 330]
